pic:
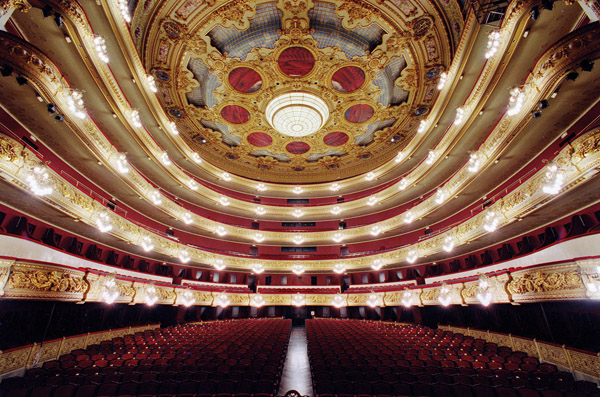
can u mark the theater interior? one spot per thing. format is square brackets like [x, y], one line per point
[322, 198]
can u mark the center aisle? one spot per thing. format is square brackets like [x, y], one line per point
[296, 369]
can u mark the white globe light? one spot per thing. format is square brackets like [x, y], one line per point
[297, 113]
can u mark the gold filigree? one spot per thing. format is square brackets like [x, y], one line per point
[545, 282]
[39, 280]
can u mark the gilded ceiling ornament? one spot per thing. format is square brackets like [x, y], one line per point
[295, 21]
[421, 27]
[408, 79]
[234, 14]
[185, 81]
[356, 13]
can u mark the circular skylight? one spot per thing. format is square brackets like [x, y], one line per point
[297, 113]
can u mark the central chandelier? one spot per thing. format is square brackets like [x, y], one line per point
[297, 114]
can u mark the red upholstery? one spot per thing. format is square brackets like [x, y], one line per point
[225, 358]
[350, 357]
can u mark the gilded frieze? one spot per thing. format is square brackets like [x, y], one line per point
[44, 280]
[543, 281]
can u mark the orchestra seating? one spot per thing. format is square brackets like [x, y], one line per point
[362, 358]
[224, 358]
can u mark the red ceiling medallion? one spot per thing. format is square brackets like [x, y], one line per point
[245, 80]
[336, 138]
[259, 139]
[296, 61]
[359, 113]
[235, 114]
[297, 147]
[348, 79]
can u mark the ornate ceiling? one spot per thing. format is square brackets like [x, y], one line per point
[219, 66]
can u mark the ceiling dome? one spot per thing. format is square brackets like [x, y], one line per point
[234, 72]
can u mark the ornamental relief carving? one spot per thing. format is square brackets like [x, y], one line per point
[40, 280]
[539, 282]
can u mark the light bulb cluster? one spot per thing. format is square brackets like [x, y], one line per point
[338, 237]
[103, 222]
[298, 269]
[442, 80]
[492, 44]
[440, 196]
[297, 213]
[110, 289]
[297, 239]
[430, 158]
[224, 201]
[373, 300]
[399, 157]
[336, 210]
[298, 300]
[226, 176]
[297, 190]
[38, 181]
[515, 102]
[184, 256]
[156, 197]
[334, 187]
[257, 300]
[553, 179]
[407, 298]
[187, 217]
[448, 243]
[261, 187]
[371, 201]
[445, 296]
[192, 184]
[483, 290]
[147, 244]
[409, 217]
[223, 300]
[219, 264]
[151, 83]
[375, 230]
[422, 127]
[258, 268]
[220, 230]
[460, 116]
[258, 237]
[412, 256]
[196, 158]
[100, 45]
[175, 131]
[151, 295]
[75, 103]
[339, 268]
[403, 184]
[491, 221]
[188, 298]
[474, 163]
[164, 159]
[260, 211]
[377, 264]
[122, 164]
[124, 10]
[338, 301]
[134, 116]
[370, 176]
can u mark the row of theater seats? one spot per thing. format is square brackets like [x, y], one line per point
[225, 358]
[358, 358]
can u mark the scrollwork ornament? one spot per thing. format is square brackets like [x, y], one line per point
[20, 5]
